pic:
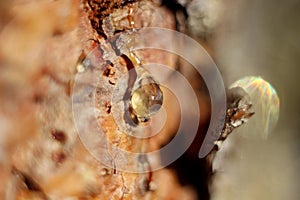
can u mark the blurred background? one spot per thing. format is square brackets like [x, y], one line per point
[261, 38]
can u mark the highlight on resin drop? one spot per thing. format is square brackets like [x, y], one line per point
[265, 101]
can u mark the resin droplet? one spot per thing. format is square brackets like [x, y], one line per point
[146, 99]
[264, 99]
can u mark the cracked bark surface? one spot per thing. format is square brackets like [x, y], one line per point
[42, 44]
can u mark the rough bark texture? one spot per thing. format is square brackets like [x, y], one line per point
[41, 154]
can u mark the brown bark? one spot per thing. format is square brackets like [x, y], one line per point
[41, 46]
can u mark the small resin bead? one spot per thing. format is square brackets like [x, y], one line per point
[147, 99]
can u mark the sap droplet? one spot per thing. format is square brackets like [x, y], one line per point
[147, 99]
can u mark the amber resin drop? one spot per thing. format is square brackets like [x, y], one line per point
[146, 99]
